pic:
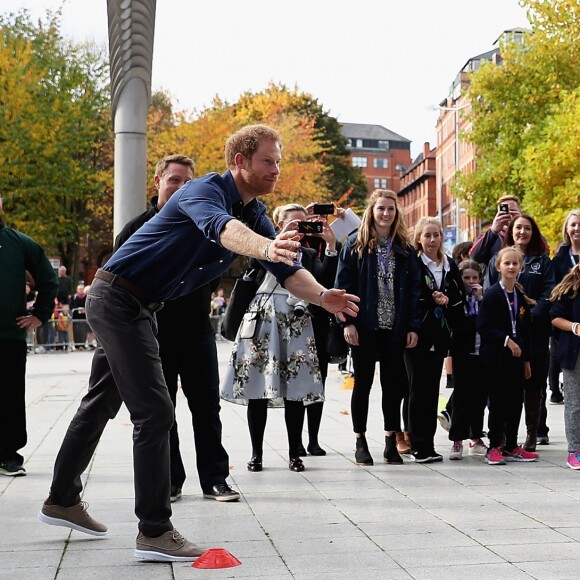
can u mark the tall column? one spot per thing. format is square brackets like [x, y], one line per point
[131, 34]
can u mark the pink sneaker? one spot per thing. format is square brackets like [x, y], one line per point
[521, 455]
[494, 457]
[574, 460]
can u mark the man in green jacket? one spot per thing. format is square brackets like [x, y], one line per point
[18, 254]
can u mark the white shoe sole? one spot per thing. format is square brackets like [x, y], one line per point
[223, 497]
[149, 556]
[66, 524]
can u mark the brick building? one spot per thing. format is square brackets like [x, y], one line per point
[418, 187]
[380, 153]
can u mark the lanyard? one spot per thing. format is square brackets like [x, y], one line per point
[573, 257]
[434, 282]
[384, 259]
[514, 310]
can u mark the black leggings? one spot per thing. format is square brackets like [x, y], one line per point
[293, 416]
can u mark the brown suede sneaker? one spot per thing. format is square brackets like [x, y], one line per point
[75, 517]
[168, 547]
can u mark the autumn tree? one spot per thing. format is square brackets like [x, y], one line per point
[316, 163]
[55, 130]
[525, 119]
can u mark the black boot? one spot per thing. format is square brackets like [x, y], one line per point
[362, 454]
[532, 400]
[391, 454]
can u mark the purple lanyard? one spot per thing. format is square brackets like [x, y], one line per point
[514, 310]
[384, 260]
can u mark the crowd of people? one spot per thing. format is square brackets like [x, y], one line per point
[499, 315]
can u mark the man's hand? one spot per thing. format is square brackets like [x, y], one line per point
[284, 247]
[29, 322]
[340, 303]
[502, 220]
[412, 339]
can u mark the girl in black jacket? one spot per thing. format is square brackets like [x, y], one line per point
[440, 306]
[503, 323]
[537, 280]
[378, 264]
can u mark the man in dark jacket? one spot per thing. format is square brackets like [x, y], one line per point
[19, 254]
[187, 349]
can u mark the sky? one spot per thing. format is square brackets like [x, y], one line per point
[383, 62]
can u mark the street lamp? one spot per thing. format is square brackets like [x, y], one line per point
[456, 165]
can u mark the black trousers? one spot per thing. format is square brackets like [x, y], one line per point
[12, 399]
[376, 346]
[424, 369]
[506, 397]
[469, 397]
[540, 363]
[196, 364]
[126, 368]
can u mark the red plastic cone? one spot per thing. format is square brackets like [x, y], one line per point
[216, 558]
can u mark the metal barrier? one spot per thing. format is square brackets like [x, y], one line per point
[62, 333]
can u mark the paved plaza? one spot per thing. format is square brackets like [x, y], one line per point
[335, 521]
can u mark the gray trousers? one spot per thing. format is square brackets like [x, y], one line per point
[126, 368]
[572, 406]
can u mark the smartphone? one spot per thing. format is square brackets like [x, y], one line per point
[310, 227]
[323, 209]
[504, 208]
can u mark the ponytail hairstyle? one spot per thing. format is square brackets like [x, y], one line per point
[367, 237]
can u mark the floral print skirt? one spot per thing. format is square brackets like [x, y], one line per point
[279, 362]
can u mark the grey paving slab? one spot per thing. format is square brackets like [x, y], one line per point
[475, 571]
[450, 520]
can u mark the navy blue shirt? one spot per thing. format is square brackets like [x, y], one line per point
[179, 249]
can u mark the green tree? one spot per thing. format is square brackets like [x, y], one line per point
[520, 104]
[55, 132]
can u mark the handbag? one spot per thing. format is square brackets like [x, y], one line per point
[336, 347]
[244, 290]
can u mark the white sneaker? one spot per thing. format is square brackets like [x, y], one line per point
[456, 450]
[477, 447]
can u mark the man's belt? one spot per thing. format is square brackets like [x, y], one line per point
[115, 280]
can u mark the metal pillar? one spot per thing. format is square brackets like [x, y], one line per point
[131, 34]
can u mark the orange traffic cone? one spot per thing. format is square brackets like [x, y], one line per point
[216, 558]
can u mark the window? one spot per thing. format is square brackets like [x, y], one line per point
[349, 142]
[383, 144]
[383, 183]
[380, 163]
[359, 144]
[380, 183]
[359, 161]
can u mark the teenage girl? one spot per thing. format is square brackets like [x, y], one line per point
[380, 265]
[503, 323]
[470, 392]
[566, 318]
[440, 305]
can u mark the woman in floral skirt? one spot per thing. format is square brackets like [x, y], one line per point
[274, 360]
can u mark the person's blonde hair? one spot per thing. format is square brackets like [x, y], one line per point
[518, 253]
[569, 285]
[247, 139]
[367, 237]
[419, 226]
[279, 214]
[565, 236]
